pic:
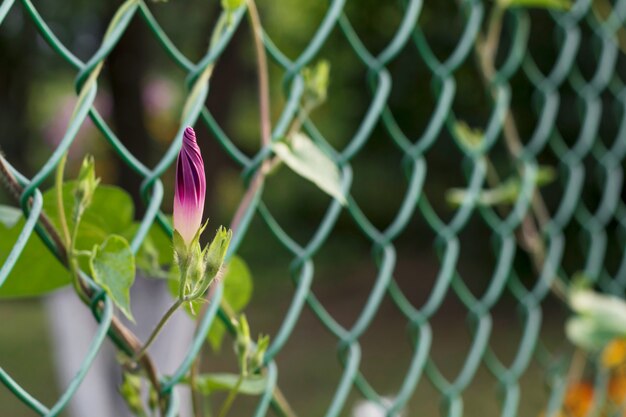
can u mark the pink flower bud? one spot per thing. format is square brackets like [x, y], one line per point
[190, 188]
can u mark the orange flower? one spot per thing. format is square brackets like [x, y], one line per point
[578, 399]
[614, 354]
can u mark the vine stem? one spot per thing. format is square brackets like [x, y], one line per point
[58, 183]
[231, 397]
[529, 235]
[158, 328]
[121, 335]
[16, 190]
[70, 238]
[264, 89]
[255, 185]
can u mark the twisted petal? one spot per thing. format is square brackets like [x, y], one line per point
[190, 188]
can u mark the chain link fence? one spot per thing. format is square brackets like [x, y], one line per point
[571, 117]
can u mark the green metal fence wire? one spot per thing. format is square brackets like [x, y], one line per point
[595, 224]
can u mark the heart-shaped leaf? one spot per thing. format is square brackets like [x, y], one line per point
[113, 268]
[306, 159]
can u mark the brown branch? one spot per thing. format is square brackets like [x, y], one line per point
[16, 191]
[528, 235]
[264, 90]
[120, 331]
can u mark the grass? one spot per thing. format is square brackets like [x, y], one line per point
[25, 354]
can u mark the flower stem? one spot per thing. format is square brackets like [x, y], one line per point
[282, 403]
[58, 184]
[158, 328]
[279, 401]
[231, 397]
[69, 239]
[123, 337]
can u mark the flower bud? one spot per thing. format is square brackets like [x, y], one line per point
[190, 188]
[214, 254]
[316, 83]
[86, 185]
[231, 5]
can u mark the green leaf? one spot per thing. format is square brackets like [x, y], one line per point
[541, 4]
[600, 318]
[113, 268]
[238, 289]
[28, 278]
[111, 212]
[216, 335]
[9, 216]
[155, 254]
[306, 159]
[237, 284]
[147, 259]
[251, 385]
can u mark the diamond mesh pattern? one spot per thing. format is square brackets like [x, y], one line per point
[526, 227]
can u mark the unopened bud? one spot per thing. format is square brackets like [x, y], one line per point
[86, 185]
[214, 254]
[190, 188]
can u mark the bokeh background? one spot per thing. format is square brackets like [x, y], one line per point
[141, 92]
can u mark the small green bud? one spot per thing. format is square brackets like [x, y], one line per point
[243, 343]
[456, 196]
[231, 5]
[243, 331]
[214, 254]
[85, 186]
[545, 175]
[316, 83]
[130, 390]
[199, 267]
[469, 137]
[256, 361]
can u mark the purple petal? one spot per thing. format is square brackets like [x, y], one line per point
[190, 188]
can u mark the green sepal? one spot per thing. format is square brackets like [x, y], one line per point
[180, 248]
[181, 258]
[190, 260]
